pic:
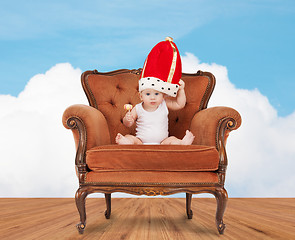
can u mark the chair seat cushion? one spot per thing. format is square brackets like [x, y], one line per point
[152, 158]
[147, 178]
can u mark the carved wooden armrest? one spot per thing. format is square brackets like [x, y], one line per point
[89, 128]
[212, 125]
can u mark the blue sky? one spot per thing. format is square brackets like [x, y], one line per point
[253, 39]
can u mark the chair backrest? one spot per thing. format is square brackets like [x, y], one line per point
[109, 91]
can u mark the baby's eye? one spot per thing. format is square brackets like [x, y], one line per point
[147, 94]
[156, 94]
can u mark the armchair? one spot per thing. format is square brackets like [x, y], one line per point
[102, 166]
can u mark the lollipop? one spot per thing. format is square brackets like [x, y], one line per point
[128, 107]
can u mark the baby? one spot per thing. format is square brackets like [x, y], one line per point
[151, 117]
[160, 88]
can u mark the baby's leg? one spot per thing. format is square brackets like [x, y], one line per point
[187, 139]
[127, 139]
[171, 140]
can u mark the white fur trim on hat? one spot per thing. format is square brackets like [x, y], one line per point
[158, 85]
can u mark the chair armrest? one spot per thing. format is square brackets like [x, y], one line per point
[89, 128]
[214, 124]
[88, 125]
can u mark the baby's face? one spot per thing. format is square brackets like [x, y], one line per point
[151, 99]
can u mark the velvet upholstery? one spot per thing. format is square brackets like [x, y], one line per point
[152, 158]
[205, 124]
[136, 178]
[95, 124]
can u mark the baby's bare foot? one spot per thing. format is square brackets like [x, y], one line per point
[121, 140]
[188, 138]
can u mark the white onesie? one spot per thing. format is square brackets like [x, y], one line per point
[152, 127]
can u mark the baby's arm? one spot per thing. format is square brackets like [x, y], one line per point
[130, 118]
[180, 100]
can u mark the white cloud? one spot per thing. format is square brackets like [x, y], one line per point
[261, 152]
[37, 152]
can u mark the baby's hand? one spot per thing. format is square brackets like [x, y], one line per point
[129, 117]
[181, 84]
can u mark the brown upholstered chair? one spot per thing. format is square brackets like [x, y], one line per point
[102, 166]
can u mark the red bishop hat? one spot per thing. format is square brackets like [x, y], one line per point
[162, 69]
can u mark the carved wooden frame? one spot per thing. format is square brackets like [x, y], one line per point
[217, 189]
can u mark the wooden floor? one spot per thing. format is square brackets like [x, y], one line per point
[147, 218]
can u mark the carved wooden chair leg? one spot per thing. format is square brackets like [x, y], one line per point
[109, 206]
[189, 211]
[80, 203]
[221, 198]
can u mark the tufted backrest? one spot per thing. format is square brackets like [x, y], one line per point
[108, 92]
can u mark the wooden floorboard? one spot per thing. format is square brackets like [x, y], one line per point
[147, 218]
